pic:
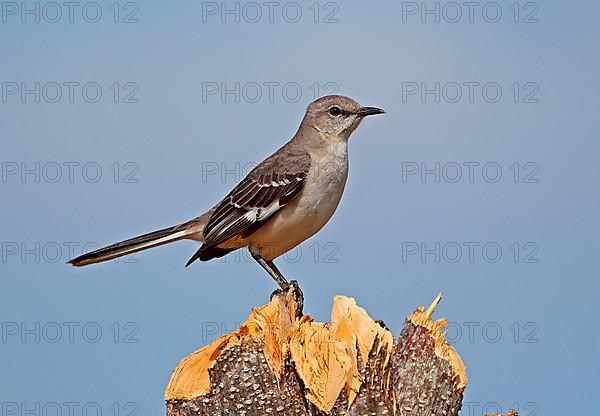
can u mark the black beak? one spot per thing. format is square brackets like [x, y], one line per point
[369, 111]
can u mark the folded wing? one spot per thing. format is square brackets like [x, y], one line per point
[268, 188]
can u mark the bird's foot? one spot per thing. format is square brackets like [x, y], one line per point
[275, 293]
[294, 288]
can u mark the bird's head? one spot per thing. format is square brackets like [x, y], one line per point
[336, 116]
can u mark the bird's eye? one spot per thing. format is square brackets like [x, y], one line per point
[335, 111]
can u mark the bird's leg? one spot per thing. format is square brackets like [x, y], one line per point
[273, 271]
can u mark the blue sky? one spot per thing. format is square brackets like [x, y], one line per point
[481, 181]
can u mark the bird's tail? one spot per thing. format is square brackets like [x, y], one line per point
[191, 230]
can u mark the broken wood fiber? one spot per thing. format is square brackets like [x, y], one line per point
[281, 363]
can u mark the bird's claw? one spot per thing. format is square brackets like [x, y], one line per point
[275, 293]
[293, 287]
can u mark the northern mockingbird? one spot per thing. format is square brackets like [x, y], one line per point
[283, 201]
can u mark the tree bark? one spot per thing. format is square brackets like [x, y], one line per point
[280, 362]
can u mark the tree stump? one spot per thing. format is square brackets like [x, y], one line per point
[280, 362]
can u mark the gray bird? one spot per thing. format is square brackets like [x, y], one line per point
[286, 199]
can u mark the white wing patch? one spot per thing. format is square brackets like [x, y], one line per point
[252, 215]
[266, 212]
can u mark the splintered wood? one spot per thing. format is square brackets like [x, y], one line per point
[279, 364]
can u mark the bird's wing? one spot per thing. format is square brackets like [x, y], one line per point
[269, 187]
